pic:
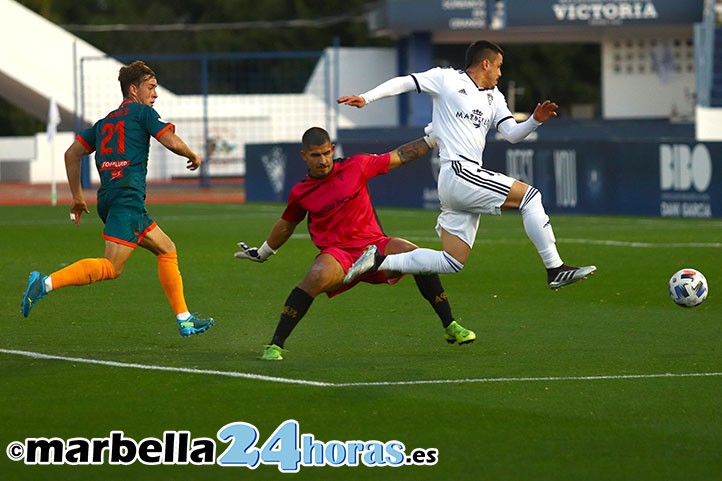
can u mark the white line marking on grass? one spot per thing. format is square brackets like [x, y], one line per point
[530, 379]
[260, 377]
[614, 243]
[600, 242]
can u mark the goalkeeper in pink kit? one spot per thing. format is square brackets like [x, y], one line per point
[342, 223]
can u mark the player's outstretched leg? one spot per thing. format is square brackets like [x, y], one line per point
[369, 261]
[34, 292]
[457, 333]
[565, 275]
[194, 325]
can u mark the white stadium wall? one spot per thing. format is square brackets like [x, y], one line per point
[649, 76]
[37, 62]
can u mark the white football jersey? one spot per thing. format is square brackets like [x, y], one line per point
[463, 112]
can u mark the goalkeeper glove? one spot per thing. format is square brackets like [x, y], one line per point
[256, 254]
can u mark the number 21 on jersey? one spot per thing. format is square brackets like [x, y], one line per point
[111, 130]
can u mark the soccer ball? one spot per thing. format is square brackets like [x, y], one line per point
[688, 288]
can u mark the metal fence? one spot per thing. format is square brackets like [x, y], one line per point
[219, 102]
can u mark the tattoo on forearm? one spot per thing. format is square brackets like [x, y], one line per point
[413, 150]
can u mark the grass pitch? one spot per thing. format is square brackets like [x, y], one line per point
[605, 380]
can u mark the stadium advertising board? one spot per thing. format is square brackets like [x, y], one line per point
[675, 179]
[668, 179]
[561, 13]
[432, 15]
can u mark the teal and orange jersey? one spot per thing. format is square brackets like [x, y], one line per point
[121, 142]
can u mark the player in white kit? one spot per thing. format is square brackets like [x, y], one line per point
[466, 104]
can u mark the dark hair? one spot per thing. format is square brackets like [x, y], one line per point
[482, 50]
[133, 74]
[313, 137]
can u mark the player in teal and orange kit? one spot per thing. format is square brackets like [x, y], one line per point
[121, 142]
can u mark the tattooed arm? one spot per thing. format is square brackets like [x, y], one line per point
[411, 151]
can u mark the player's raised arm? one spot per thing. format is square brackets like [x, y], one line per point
[516, 132]
[391, 87]
[413, 150]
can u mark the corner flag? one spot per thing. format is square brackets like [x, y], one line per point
[52, 129]
[53, 120]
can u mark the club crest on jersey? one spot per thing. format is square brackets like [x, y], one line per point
[490, 97]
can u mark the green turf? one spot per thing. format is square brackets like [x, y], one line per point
[619, 323]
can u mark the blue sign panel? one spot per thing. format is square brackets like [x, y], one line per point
[676, 179]
[621, 178]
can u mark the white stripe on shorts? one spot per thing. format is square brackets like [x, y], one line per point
[480, 181]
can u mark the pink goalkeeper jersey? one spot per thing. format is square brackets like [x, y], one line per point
[339, 208]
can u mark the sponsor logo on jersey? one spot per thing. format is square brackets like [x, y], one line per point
[336, 203]
[475, 116]
[114, 164]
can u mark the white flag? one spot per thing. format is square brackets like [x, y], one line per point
[53, 120]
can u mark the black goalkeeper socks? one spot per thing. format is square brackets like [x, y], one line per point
[432, 290]
[295, 308]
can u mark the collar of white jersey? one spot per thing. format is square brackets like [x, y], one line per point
[480, 89]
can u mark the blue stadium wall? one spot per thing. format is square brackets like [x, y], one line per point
[668, 177]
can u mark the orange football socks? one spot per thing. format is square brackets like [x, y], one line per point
[82, 272]
[172, 282]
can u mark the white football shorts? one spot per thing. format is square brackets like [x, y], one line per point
[466, 192]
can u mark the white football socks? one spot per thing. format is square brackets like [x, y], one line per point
[421, 261]
[538, 227]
